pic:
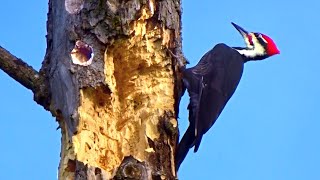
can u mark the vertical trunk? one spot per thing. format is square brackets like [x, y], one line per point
[118, 114]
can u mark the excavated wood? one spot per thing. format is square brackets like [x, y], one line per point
[123, 107]
[118, 115]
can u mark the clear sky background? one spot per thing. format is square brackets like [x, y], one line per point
[269, 130]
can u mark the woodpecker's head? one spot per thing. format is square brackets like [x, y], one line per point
[259, 46]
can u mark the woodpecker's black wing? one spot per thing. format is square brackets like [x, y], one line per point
[210, 85]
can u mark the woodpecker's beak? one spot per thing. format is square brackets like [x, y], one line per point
[243, 32]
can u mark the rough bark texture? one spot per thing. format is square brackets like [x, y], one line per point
[25, 75]
[19, 70]
[117, 115]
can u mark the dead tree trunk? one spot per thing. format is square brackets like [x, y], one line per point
[117, 105]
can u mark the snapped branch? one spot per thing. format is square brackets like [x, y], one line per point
[19, 70]
[23, 73]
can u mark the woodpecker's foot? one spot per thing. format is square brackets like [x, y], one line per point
[182, 61]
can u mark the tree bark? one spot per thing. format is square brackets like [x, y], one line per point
[118, 115]
[25, 75]
[111, 78]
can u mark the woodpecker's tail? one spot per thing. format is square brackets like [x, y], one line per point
[196, 143]
[183, 147]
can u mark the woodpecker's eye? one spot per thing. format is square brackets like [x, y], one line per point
[257, 34]
[261, 37]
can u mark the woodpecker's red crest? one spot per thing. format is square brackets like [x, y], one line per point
[271, 46]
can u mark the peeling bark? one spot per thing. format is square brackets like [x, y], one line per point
[122, 108]
[111, 78]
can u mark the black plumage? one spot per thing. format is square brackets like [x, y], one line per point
[212, 82]
[210, 85]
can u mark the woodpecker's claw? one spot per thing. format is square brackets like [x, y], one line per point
[182, 61]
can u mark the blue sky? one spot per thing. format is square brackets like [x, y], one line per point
[269, 130]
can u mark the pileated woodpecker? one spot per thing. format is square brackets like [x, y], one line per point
[212, 82]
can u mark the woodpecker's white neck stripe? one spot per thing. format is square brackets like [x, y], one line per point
[251, 53]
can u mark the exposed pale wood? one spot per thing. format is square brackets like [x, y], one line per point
[118, 115]
[125, 103]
